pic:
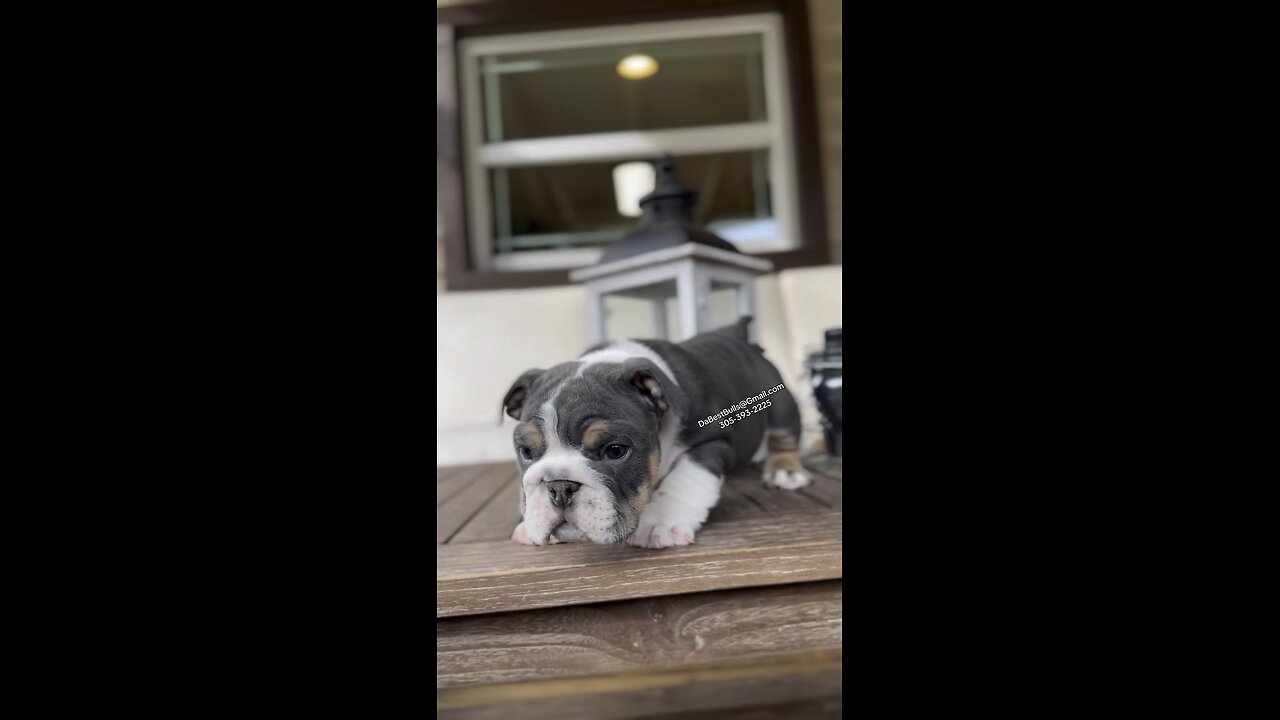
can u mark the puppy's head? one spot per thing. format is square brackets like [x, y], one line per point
[588, 446]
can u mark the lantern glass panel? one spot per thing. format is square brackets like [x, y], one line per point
[645, 312]
[722, 304]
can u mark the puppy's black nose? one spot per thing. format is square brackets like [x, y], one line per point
[562, 491]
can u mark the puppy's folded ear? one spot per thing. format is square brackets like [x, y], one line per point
[513, 402]
[655, 387]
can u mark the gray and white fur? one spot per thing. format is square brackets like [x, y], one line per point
[609, 447]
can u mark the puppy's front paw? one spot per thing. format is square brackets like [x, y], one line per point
[521, 536]
[661, 536]
[787, 479]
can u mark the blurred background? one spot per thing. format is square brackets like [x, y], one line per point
[549, 114]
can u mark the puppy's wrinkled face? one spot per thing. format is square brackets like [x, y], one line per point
[588, 450]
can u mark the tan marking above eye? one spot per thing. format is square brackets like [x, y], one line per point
[594, 434]
[532, 436]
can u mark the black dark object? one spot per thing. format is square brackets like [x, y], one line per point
[667, 221]
[827, 371]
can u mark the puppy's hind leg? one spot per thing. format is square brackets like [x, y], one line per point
[782, 466]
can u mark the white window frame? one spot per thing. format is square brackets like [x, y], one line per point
[480, 157]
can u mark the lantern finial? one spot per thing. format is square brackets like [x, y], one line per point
[669, 200]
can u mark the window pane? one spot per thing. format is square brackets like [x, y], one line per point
[559, 206]
[706, 81]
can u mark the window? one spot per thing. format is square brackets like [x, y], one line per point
[548, 119]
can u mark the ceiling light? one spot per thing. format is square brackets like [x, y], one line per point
[637, 67]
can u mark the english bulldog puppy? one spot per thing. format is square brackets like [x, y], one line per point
[631, 441]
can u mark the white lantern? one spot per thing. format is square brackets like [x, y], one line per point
[669, 279]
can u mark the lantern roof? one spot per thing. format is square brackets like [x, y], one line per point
[666, 222]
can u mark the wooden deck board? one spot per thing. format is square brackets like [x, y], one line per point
[807, 682]
[744, 624]
[638, 634]
[486, 577]
[773, 500]
[450, 480]
[448, 487]
[732, 505]
[459, 509]
[826, 490]
[497, 519]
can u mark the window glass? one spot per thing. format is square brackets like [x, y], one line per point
[705, 81]
[541, 208]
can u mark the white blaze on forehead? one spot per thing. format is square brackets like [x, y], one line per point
[549, 421]
[622, 351]
[559, 462]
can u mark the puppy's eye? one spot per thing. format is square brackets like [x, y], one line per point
[616, 452]
[526, 453]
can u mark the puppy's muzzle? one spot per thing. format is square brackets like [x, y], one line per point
[562, 491]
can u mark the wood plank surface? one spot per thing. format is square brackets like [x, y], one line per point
[802, 678]
[773, 500]
[462, 506]
[485, 577]
[497, 519]
[825, 709]
[449, 486]
[638, 634]
[732, 505]
[826, 490]
[450, 480]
